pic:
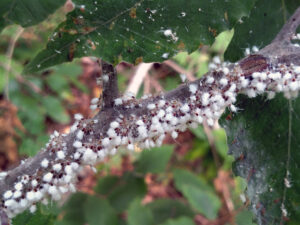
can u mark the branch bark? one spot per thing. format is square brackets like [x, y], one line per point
[126, 121]
[110, 84]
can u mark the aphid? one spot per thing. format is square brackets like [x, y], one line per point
[253, 63]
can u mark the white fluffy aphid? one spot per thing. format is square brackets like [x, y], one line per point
[94, 101]
[45, 163]
[48, 177]
[60, 155]
[78, 116]
[77, 144]
[193, 88]
[223, 81]
[79, 134]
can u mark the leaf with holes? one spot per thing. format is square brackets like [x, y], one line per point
[138, 30]
[260, 28]
[264, 140]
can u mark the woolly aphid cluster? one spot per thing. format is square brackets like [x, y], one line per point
[203, 100]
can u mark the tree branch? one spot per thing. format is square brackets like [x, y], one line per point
[4, 220]
[282, 46]
[127, 121]
[289, 29]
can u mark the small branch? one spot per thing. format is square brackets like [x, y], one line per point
[4, 220]
[9, 55]
[147, 85]
[179, 69]
[289, 29]
[110, 84]
[138, 77]
[22, 80]
[281, 46]
[155, 84]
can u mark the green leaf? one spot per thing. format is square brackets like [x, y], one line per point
[164, 209]
[220, 140]
[26, 12]
[37, 218]
[135, 30]
[185, 177]
[138, 214]
[99, 212]
[199, 133]
[73, 210]
[198, 193]
[180, 221]
[264, 140]
[154, 160]
[107, 184]
[55, 109]
[30, 147]
[57, 83]
[260, 28]
[204, 202]
[128, 188]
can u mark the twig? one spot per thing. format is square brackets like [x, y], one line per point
[155, 84]
[22, 80]
[179, 69]
[282, 47]
[9, 54]
[289, 29]
[138, 77]
[4, 220]
[110, 84]
[147, 85]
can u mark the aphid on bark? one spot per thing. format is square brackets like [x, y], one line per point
[253, 63]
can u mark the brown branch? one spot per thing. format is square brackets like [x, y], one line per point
[110, 84]
[289, 29]
[179, 69]
[4, 220]
[131, 121]
[281, 46]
